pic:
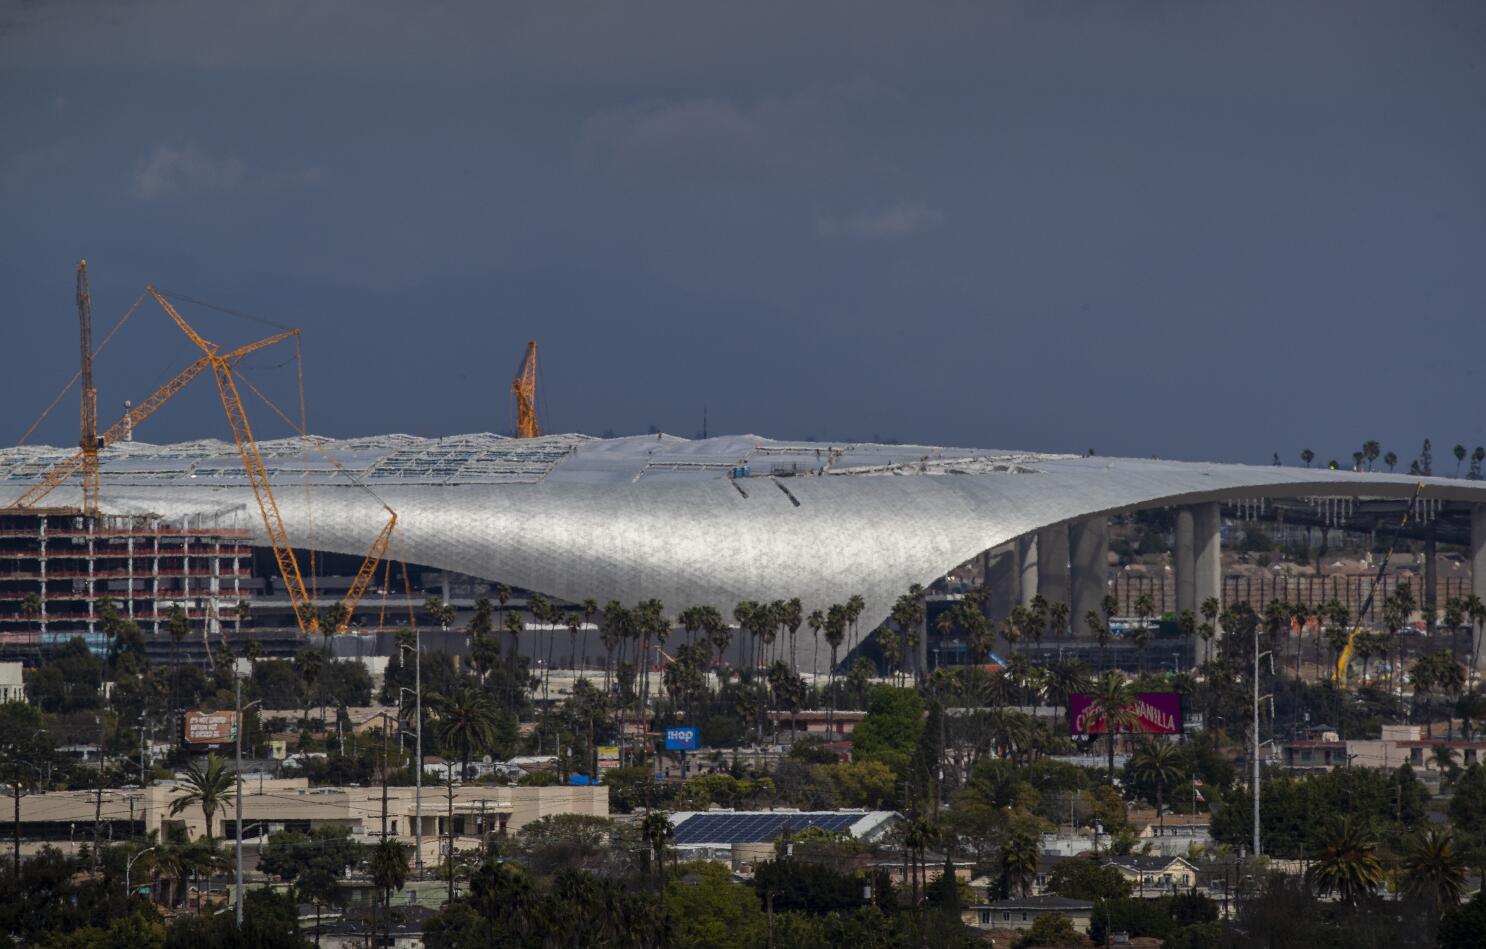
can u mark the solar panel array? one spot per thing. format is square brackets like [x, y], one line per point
[757, 828]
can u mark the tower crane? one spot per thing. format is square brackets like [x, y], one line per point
[59, 475]
[88, 441]
[524, 392]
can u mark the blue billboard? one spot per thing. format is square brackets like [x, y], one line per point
[682, 739]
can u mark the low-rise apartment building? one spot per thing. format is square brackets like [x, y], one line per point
[270, 805]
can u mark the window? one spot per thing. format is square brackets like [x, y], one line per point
[1006, 915]
[985, 917]
[1024, 916]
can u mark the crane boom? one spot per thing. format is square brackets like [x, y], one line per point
[369, 566]
[59, 475]
[524, 391]
[88, 440]
[257, 473]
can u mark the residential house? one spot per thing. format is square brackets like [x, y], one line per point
[1174, 835]
[1154, 875]
[1020, 914]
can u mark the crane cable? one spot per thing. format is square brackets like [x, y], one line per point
[1346, 653]
[78, 374]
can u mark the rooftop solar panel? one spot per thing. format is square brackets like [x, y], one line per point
[757, 828]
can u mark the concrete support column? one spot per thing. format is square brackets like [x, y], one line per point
[1003, 581]
[1478, 571]
[1207, 527]
[1185, 561]
[1090, 555]
[1430, 596]
[1052, 565]
[1027, 557]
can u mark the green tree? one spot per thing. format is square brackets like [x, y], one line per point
[1159, 762]
[891, 728]
[1110, 704]
[1432, 869]
[387, 865]
[1087, 880]
[657, 832]
[1050, 930]
[466, 722]
[207, 785]
[709, 911]
[1019, 855]
[1347, 863]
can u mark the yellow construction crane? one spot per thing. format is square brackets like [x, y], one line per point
[62, 472]
[252, 459]
[88, 442]
[273, 523]
[524, 391]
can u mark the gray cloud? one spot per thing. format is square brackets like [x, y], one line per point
[900, 220]
[174, 171]
[796, 133]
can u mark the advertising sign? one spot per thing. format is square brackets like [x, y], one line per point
[1153, 713]
[682, 739]
[210, 728]
[608, 757]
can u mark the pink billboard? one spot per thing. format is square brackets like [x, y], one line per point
[1155, 713]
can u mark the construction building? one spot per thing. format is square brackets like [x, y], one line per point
[58, 565]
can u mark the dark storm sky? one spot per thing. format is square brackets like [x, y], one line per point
[1177, 228]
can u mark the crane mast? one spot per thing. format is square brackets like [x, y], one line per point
[88, 440]
[252, 459]
[524, 391]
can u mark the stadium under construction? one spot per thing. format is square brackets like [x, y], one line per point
[257, 539]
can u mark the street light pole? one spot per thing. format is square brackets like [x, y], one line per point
[238, 775]
[129, 865]
[417, 751]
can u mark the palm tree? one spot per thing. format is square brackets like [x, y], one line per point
[835, 633]
[1110, 702]
[1348, 863]
[919, 834]
[465, 722]
[1370, 451]
[657, 832]
[206, 786]
[1459, 452]
[1209, 608]
[1307, 456]
[1057, 618]
[817, 622]
[1019, 858]
[387, 865]
[1100, 628]
[1390, 459]
[854, 607]
[1432, 869]
[1159, 762]
[574, 623]
[502, 596]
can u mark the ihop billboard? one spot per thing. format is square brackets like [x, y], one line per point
[1152, 713]
[682, 739]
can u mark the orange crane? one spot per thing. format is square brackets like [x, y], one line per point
[252, 459]
[273, 522]
[62, 472]
[524, 391]
[88, 442]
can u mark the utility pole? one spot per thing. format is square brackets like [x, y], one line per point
[1257, 851]
[418, 752]
[238, 801]
[238, 725]
[450, 856]
[384, 777]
